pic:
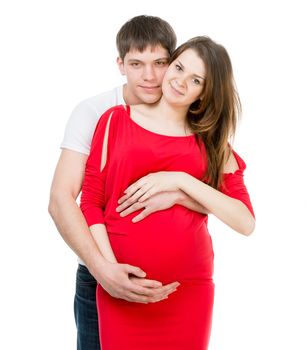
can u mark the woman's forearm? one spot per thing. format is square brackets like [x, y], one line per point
[189, 203]
[101, 238]
[229, 210]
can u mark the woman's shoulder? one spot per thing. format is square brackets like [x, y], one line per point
[234, 163]
[116, 110]
[113, 113]
[110, 118]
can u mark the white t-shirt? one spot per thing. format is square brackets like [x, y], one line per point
[82, 122]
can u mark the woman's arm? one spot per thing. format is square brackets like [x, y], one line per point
[230, 210]
[232, 207]
[232, 204]
[190, 203]
[158, 202]
[118, 281]
[92, 197]
[101, 238]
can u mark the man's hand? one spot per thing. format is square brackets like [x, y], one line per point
[159, 201]
[128, 282]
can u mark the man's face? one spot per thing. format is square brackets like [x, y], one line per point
[144, 71]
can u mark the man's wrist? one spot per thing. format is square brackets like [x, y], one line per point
[97, 266]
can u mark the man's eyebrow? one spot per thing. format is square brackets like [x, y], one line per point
[134, 60]
[166, 58]
[139, 61]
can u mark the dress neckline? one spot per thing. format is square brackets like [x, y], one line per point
[128, 112]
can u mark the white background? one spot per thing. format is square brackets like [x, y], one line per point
[56, 53]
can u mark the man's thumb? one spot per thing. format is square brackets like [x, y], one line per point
[136, 271]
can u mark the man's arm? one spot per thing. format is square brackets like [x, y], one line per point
[73, 228]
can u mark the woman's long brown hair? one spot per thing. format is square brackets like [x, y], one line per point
[214, 115]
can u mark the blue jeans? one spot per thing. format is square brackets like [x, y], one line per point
[85, 309]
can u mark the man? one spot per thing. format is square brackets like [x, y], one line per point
[144, 44]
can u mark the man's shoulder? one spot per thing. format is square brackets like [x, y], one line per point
[103, 101]
[82, 122]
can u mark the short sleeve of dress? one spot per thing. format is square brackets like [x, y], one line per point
[92, 197]
[233, 184]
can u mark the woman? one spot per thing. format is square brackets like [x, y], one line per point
[181, 142]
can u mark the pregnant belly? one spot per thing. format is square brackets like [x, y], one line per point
[168, 245]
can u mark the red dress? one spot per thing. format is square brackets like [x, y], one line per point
[169, 245]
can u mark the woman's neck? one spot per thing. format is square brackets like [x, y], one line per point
[170, 113]
[161, 117]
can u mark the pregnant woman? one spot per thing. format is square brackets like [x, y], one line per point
[179, 143]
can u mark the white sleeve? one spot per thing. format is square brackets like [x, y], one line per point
[80, 128]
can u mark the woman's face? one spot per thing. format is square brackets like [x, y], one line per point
[184, 79]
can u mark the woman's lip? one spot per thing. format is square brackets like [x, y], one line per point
[177, 92]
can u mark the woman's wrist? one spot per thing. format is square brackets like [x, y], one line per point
[182, 179]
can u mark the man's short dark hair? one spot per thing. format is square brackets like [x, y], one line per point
[143, 31]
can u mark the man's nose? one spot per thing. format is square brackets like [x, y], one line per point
[148, 73]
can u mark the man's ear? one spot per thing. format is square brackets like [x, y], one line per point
[120, 64]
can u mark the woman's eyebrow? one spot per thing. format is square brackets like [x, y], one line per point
[195, 75]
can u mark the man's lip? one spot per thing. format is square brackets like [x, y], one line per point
[149, 87]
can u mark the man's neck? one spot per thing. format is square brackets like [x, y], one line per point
[129, 98]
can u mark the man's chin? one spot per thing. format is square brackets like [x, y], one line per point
[150, 98]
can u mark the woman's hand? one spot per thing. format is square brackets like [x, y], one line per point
[149, 185]
[157, 202]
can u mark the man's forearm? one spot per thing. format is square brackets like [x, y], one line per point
[72, 226]
[114, 278]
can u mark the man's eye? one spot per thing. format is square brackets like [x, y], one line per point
[135, 64]
[161, 63]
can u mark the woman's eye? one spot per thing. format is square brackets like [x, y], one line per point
[178, 67]
[196, 81]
